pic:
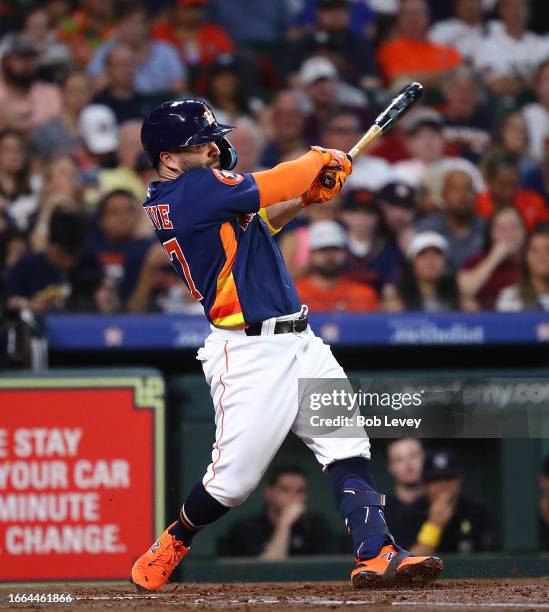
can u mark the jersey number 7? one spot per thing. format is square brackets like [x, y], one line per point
[175, 253]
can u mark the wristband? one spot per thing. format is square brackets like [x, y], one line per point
[429, 534]
[263, 214]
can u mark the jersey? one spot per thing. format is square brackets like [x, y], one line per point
[208, 224]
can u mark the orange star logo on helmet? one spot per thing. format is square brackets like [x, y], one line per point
[208, 116]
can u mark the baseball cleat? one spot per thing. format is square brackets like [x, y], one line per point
[153, 569]
[395, 566]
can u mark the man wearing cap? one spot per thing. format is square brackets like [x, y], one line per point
[455, 522]
[327, 95]
[428, 283]
[373, 258]
[326, 288]
[397, 202]
[457, 222]
[25, 101]
[333, 35]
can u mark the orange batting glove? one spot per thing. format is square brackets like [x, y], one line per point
[338, 165]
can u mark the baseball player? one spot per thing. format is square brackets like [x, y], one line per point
[216, 227]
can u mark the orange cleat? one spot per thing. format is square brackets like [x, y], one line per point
[153, 569]
[395, 566]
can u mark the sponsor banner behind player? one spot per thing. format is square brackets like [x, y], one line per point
[81, 465]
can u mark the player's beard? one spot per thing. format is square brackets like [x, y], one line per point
[187, 166]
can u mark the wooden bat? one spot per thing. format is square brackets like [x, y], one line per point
[398, 107]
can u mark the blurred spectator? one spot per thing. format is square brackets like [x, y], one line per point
[510, 54]
[334, 37]
[360, 20]
[38, 32]
[97, 127]
[464, 31]
[128, 153]
[61, 278]
[18, 200]
[263, 22]
[62, 190]
[457, 222]
[373, 258]
[406, 506]
[512, 137]
[532, 293]
[428, 283]
[60, 135]
[248, 141]
[425, 146]
[286, 119]
[198, 40]
[484, 276]
[119, 93]
[326, 287]
[544, 505]
[537, 115]
[114, 243]
[502, 174]
[410, 56]
[86, 28]
[467, 125]
[25, 101]
[284, 528]
[342, 131]
[158, 287]
[294, 241]
[159, 66]
[57, 11]
[455, 522]
[327, 95]
[227, 90]
[397, 203]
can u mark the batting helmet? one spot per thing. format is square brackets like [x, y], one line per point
[178, 124]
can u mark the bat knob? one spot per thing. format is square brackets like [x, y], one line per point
[327, 180]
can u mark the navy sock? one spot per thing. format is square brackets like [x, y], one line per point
[360, 505]
[199, 510]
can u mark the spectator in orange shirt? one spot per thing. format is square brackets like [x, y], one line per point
[411, 56]
[198, 42]
[326, 288]
[502, 175]
[87, 28]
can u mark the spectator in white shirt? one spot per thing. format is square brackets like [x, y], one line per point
[464, 31]
[537, 115]
[510, 55]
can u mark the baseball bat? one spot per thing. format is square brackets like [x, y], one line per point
[397, 108]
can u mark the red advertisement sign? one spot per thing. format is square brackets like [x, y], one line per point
[80, 470]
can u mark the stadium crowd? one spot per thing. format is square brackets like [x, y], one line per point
[448, 212]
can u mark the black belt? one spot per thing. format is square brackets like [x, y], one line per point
[281, 327]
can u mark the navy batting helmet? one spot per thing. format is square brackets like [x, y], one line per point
[178, 124]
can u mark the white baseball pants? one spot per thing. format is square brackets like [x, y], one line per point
[254, 387]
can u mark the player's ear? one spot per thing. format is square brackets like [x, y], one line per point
[169, 160]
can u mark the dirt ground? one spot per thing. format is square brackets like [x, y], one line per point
[447, 595]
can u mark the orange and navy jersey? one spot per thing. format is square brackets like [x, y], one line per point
[207, 222]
